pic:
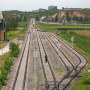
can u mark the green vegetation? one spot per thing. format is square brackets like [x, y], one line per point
[84, 82]
[6, 61]
[86, 77]
[6, 68]
[2, 59]
[81, 43]
[26, 16]
[85, 11]
[54, 27]
[18, 33]
[14, 49]
[16, 22]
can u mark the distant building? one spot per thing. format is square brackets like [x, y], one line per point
[52, 7]
[35, 10]
[41, 10]
[42, 18]
[71, 8]
[2, 27]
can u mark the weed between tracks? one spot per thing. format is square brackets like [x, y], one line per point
[58, 71]
[81, 43]
[39, 75]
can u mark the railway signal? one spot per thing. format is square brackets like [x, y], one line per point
[72, 39]
[59, 45]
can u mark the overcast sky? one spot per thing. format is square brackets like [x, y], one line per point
[28, 5]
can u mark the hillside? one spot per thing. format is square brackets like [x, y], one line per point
[72, 16]
[29, 15]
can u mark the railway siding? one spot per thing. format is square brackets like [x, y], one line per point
[46, 66]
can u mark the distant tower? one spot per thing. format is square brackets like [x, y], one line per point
[2, 27]
[1, 16]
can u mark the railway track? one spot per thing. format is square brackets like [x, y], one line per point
[68, 64]
[48, 73]
[67, 78]
[56, 51]
[58, 55]
[80, 56]
[20, 77]
[48, 62]
[68, 50]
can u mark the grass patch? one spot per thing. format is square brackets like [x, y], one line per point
[2, 45]
[12, 35]
[2, 59]
[16, 34]
[84, 82]
[58, 69]
[46, 26]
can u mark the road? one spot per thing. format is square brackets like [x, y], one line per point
[31, 72]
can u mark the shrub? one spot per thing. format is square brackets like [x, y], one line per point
[6, 68]
[2, 81]
[8, 63]
[15, 53]
[86, 88]
[13, 46]
[14, 49]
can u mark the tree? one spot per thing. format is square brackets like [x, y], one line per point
[37, 18]
[86, 19]
[74, 18]
[80, 19]
[7, 27]
[13, 24]
[68, 18]
[56, 18]
[25, 18]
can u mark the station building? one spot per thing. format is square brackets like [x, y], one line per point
[2, 27]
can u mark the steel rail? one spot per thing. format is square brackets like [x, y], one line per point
[62, 53]
[16, 76]
[71, 51]
[46, 82]
[57, 86]
[48, 62]
[57, 53]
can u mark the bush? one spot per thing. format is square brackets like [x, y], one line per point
[8, 63]
[2, 81]
[86, 77]
[13, 46]
[15, 53]
[6, 68]
[14, 49]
